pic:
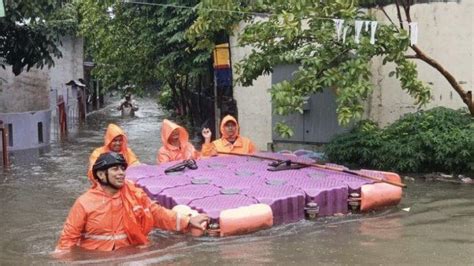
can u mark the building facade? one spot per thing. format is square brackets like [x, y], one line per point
[29, 101]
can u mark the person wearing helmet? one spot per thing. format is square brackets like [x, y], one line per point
[231, 140]
[114, 140]
[114, 213]
[176, 145]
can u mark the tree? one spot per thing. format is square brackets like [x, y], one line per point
[142, 44]
[303, 32]
[30, 31]
[403, 14]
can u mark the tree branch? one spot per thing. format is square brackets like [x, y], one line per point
[386, 15]
[399, 14]
[406, 7]
[465, 96]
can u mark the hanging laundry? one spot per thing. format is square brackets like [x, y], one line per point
[413, 33]
[344, 34]
[342, 30]
[358, 28]
[367, 24]
[339, 23]
[373, 28]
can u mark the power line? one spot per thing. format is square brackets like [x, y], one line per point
[190, 7]
[260, 14]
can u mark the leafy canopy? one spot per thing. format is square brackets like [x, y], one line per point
[30, 32]
[139, 44]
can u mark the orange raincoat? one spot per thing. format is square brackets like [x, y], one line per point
[241, 145]
[101, 221]
[112, 132]
[171, 153]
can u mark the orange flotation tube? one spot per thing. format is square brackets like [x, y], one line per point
[379, 195]
[245, 220]
[235, 221]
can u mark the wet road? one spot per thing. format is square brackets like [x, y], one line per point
[38, 190]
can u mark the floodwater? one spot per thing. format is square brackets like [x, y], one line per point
[41, 186]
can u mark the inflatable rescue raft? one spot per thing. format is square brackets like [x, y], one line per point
[243, 194]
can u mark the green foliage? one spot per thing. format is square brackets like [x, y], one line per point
[139, 44]
[165, 98]
[214, 18]
[30, 32]
[285, 130]
[302, 32]
[440, 139]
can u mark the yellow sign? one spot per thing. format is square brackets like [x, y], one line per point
[221, 55]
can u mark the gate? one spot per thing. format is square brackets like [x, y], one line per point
[318, 123]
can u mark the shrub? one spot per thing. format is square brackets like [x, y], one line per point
[440, 139]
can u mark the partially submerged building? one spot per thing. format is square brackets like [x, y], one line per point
[29, 102]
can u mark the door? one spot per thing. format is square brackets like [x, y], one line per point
[318, 123]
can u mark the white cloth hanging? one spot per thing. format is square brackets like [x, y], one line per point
[344, 34]
[339, 23]
[373, 29]
[367, 24]
[413, 26]
[358, 27]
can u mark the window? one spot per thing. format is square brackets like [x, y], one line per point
[10, 135]
[40, 132]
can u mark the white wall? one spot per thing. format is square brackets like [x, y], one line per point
[70, 66]
[254, 102]
[445, 34]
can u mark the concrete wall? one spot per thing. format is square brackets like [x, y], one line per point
[70, 66]
[25, 99]
[254, 102]
[27, 92]
[445, 34]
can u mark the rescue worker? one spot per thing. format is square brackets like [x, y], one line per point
[176, 145]
[231, 141]
[114, 140]
[114, 213]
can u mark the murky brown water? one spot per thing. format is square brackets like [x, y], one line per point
[38, 190]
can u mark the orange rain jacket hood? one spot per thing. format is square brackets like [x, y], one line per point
[168, 152]
[229, 118]
[241, 144]
[101, 221]
[112, 132]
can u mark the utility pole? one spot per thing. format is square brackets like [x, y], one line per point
[222, 68]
